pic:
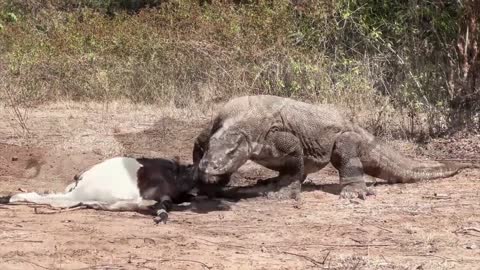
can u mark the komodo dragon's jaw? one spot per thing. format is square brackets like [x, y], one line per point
[226, 153]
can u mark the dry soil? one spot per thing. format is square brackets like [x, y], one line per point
[427, 225]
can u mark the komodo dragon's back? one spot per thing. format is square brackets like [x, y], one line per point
[306, 116]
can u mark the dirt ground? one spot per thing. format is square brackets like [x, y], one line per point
[427, 225]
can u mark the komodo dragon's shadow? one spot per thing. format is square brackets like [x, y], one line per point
[221, 197]
[334, 189]
[203, 205]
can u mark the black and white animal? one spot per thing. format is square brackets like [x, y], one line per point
[122, 184]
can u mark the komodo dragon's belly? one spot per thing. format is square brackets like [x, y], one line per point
[315, 158]
[269, 157]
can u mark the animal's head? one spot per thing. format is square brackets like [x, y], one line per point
[228, 149]
[159, 177]
[185, 175]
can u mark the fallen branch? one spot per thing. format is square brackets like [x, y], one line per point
[32, 205]
[315, 262]
[466, 230]
[430, 255]
[102, 266]
[58, 211]
[438, 197]
[472, 229]
[145, 261]
[25, 261]
[348, 245]
[381, 228]
[294, 245]
[458, 160]
[182, 260]
[326, 256]
[28, 241]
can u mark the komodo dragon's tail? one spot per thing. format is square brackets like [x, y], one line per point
[383, 162]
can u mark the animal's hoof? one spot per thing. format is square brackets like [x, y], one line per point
[5, 199]
[162, 218]
[356, 190]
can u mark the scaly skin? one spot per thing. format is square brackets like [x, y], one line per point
[296, 139]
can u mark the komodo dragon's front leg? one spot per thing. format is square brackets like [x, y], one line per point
[280, 151]
[346, 159]
[288, 161]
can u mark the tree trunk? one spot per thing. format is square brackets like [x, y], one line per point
[465, 96]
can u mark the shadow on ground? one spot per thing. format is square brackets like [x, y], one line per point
[167, 137]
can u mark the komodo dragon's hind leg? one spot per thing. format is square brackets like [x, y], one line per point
[346, 159]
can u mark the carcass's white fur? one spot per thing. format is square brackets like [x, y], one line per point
[109, 185]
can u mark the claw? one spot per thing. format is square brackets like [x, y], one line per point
[354, 191]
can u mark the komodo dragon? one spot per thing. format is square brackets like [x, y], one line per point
[296, 139]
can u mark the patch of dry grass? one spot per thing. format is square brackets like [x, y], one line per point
[185, 55]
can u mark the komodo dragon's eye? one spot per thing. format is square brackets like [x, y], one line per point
[232, 150]
[234, 145]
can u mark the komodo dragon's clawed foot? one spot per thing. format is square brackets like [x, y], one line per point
[283, 195]
[356, 190]
[291, 191]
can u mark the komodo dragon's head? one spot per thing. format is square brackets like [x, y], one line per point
[227, 151]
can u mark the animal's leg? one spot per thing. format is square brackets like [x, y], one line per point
[31, 197]
[59, 200]
[119, 206]
[289, 148]
[346, 159]
[161, 209]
